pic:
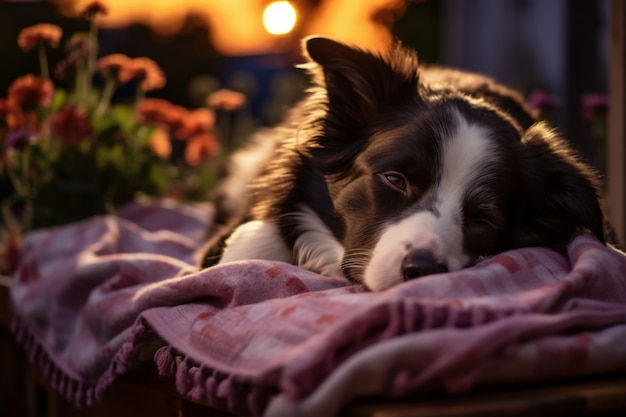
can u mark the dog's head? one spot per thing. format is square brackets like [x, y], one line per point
[428, 177]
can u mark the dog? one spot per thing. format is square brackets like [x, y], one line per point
[389, 171]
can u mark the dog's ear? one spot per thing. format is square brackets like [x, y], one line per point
[360, 83]
[560, 195]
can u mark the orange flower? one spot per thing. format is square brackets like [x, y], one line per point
[39, 34]
[16, 119]
[195, 122]
[119, 65]
[29, 92]
[93, 9]
[160, 111]
[160, 143]
[226, 99]
[201, 148]
[4, 112]
[148, 72]
[72, 125]
[10, 116]
[10, 253]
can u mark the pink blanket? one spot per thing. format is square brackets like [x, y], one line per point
[94, 299]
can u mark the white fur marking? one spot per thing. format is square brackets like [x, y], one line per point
[256, 240]
[462, 157]
[246, 165]
[415, 231]
[442, 235]
[316, 248]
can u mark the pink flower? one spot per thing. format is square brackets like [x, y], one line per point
[71, 125]
[39, 34]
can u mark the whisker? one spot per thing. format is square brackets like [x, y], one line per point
[354, 263]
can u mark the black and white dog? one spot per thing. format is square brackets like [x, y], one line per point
[388, 171]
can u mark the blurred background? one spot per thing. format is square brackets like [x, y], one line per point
[555, 51]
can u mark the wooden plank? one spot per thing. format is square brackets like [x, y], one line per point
[616, 144]
[16, 388]
[5, 308]
[583, 397]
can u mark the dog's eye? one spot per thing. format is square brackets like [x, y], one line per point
[480, 236]
[483, 224]
[396, 179]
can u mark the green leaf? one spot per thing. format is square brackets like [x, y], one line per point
[59, 99]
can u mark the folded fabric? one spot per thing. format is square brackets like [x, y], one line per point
[94, 299]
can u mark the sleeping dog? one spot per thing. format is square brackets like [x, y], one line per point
[389, 171]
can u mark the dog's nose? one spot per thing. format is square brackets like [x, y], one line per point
[418, 263]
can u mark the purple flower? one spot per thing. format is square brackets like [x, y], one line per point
[20, 138]
[79, 45]
[594, 104]
[543, 101]
[65, 67]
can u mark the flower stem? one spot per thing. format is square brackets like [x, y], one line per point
[11, 222]
[139, 94]
[105, 98]
[22, 193]
[82, 83]
[15, 181]
[43, 62]
[93, 50]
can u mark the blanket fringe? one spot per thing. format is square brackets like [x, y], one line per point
[165, 361]
[197, 391]
[75, 391]
[199, 383]
[79, 392]
[219, 390]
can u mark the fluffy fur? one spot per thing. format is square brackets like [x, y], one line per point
[388, 171]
